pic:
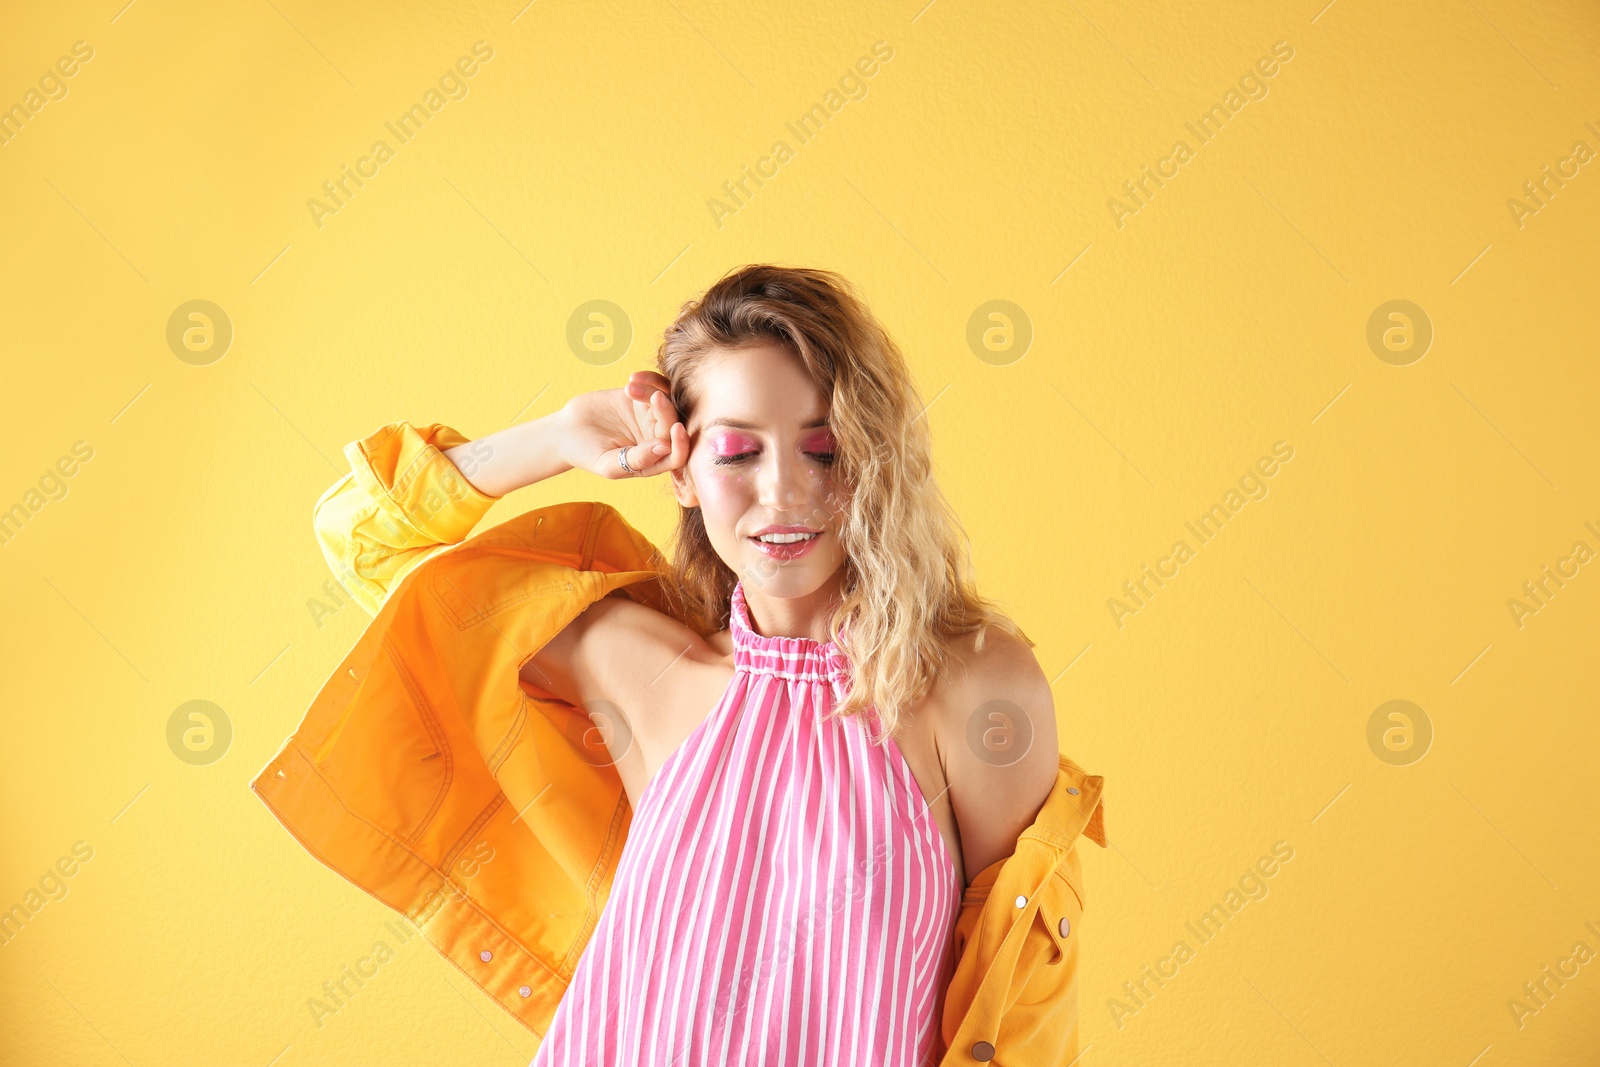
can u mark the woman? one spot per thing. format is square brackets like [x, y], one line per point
[824, 735]
[812, 528]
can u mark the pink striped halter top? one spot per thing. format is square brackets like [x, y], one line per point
[783, 896]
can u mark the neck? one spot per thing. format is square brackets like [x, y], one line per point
[804, 616]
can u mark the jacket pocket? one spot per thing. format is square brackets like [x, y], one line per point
[1059, 912]
[392, 762]
[1047, 968]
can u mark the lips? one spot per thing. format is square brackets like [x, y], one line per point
[790, 549]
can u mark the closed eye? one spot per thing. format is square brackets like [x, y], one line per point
[740, 457]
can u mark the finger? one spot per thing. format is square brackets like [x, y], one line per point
[678, 448]
[640, 458]
[653, 416]
[643, 424]
[641, 383]
[669, 458]
[680, 445]
[666, 415]
[645, 391]
[663, 412]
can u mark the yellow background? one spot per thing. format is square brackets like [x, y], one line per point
[1230, 312]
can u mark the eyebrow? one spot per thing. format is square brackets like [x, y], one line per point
[739, 424]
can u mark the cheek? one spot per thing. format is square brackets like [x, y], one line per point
[723, 490]
[825, 485]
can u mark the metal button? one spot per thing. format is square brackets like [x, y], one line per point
[486, 955]
[1072, 789]
[1022, 902]
[983, 1052]
[525, 992]
[1065, 927]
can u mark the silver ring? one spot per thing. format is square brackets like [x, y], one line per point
[622, 458]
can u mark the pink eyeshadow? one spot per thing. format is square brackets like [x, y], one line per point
[822, 442]
[732, 444]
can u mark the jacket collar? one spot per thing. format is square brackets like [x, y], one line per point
[1071, 810]
[1073, 807]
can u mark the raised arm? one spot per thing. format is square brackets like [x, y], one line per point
[414, 491]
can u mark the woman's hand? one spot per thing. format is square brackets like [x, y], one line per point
[639, 417]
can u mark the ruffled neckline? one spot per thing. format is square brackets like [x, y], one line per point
[799, 658]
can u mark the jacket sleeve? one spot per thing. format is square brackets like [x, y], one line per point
[428, 775]
[1015, 991]
[1041, 1026]
[403, 502]
[1013, 994]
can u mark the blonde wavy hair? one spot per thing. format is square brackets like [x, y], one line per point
[908, 586]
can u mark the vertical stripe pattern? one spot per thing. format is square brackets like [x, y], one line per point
[783, 896]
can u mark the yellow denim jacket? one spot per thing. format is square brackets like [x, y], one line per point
[428, 774]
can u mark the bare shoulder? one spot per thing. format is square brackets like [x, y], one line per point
[997, 736]
[616, 648]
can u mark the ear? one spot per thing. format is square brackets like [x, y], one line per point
[683, 488]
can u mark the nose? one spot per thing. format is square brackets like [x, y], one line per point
[781, 481]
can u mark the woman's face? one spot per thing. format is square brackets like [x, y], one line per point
[761, 455]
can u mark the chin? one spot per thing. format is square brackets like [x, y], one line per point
[785, 579]
[785, 583]
[789, 581]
